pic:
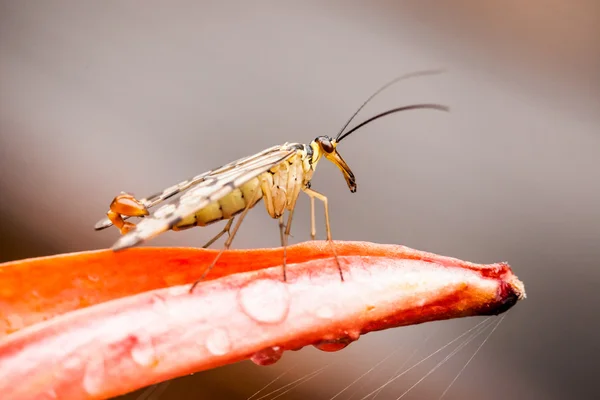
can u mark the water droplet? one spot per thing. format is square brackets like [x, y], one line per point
[265, 301]
[325, 312]
[267, 356]
[336, 344]
[331, 346]
[143, 351]
[93, 278]
[218, 342]
[93, 377]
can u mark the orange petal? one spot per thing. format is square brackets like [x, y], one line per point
[248, 312]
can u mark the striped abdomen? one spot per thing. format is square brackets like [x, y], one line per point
[280, 187]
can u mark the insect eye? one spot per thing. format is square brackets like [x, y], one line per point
[326, 145]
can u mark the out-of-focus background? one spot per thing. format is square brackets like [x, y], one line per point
[99, 97]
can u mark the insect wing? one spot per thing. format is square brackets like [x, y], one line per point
[169, 192]
[213, 187]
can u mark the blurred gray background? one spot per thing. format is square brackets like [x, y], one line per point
[102, 96]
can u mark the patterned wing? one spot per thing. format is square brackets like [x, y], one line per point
[211, 187]
[169, 192]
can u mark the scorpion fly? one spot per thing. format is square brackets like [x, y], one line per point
[276, 175]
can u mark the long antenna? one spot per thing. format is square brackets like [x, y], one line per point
[394, 110]
[398, 79]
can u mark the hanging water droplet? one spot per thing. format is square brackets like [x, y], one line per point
[265, 301]
[334, 345]
[267, 356]
[330, 346]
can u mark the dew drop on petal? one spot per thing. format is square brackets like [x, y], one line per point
[265, 301]
[143, 352]
[93, 376]
[218, 342]
[267, 356]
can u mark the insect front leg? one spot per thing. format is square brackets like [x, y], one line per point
[316, 195]
[128, 206]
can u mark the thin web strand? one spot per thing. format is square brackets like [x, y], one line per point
[473, 356]
[425, 359]
[449, 356]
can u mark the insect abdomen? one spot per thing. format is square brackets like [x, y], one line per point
[279, 186]
[226, 207]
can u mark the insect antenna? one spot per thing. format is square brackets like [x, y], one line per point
[393, 110]
[390, 83]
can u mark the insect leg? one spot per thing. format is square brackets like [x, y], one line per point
[283, 236]
[227, 242]
[314, 194]
[288, 225]
[218, 235]
[313, 228]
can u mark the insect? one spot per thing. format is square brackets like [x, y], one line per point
[276, 175]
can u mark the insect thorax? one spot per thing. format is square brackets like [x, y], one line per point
[282, 184]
